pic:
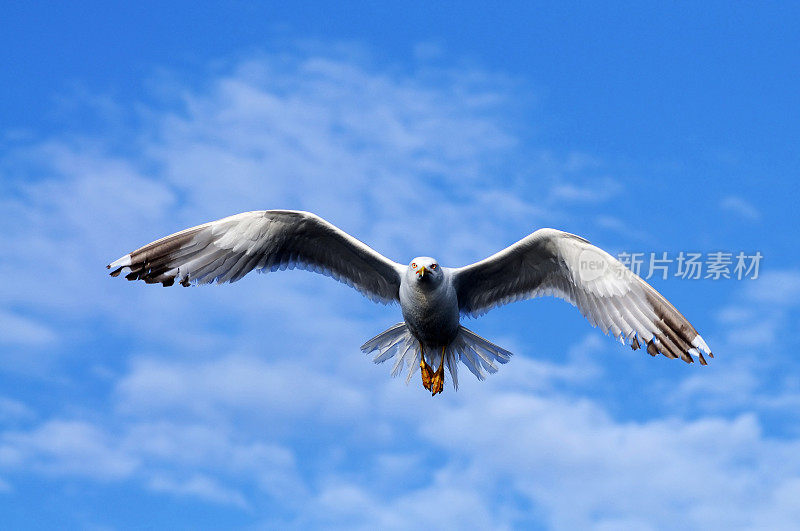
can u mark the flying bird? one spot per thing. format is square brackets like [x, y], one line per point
[433, 298]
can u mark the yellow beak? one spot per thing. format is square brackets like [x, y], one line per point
[421, 271]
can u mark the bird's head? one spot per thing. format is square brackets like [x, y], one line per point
[425, 270]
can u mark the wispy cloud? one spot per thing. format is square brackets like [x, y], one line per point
[233, 386]
[18, 330]
[202, 487]
[755, 329]
[741, 207]
[71, 448]
[13, 410]
[776, 288]
[596, 191]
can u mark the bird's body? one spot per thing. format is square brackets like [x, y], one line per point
[432, 298]
[430, 308]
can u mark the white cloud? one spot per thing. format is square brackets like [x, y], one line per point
[741, 207]
[491, 453]
[619, 226]
[13, 410]
[596, 191]
[66, 447]
[17, 330]
[753, 373]
[198, 486]
[197, 460]
[237, 386]
[775, 288]
[761, 312]
[444, 505]
[581, 467]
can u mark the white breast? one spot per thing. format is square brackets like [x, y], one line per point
[431, 314]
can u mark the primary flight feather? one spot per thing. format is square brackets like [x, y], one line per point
[432, 298]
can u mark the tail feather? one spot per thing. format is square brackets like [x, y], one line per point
[501, 354]
[388, 351]
[468, 356]
[386, 337]
[407, 350]
[414, 367]
[477, 353]
[452, 366]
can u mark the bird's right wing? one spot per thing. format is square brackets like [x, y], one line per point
[227, 249]
[552, 262]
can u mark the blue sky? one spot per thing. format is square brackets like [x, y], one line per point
[426, 130]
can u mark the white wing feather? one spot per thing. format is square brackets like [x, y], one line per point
[552, 262]
[227, 249]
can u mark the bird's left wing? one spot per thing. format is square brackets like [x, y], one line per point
[552, 262]
[227, 249]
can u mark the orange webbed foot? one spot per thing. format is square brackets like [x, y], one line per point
[437, 381]
[427, 373]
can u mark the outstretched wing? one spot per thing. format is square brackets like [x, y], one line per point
[552, 262]
[227, 249]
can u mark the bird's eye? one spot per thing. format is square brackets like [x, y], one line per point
[434, 266]
[414, 265]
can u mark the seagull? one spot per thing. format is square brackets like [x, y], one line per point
[432, 298]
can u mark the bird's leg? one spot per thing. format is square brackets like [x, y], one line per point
[426, 370]
[437, 383]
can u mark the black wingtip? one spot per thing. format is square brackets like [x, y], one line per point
[651, 348]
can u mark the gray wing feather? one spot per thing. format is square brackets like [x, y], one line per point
[552, 262]
[267, 240]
